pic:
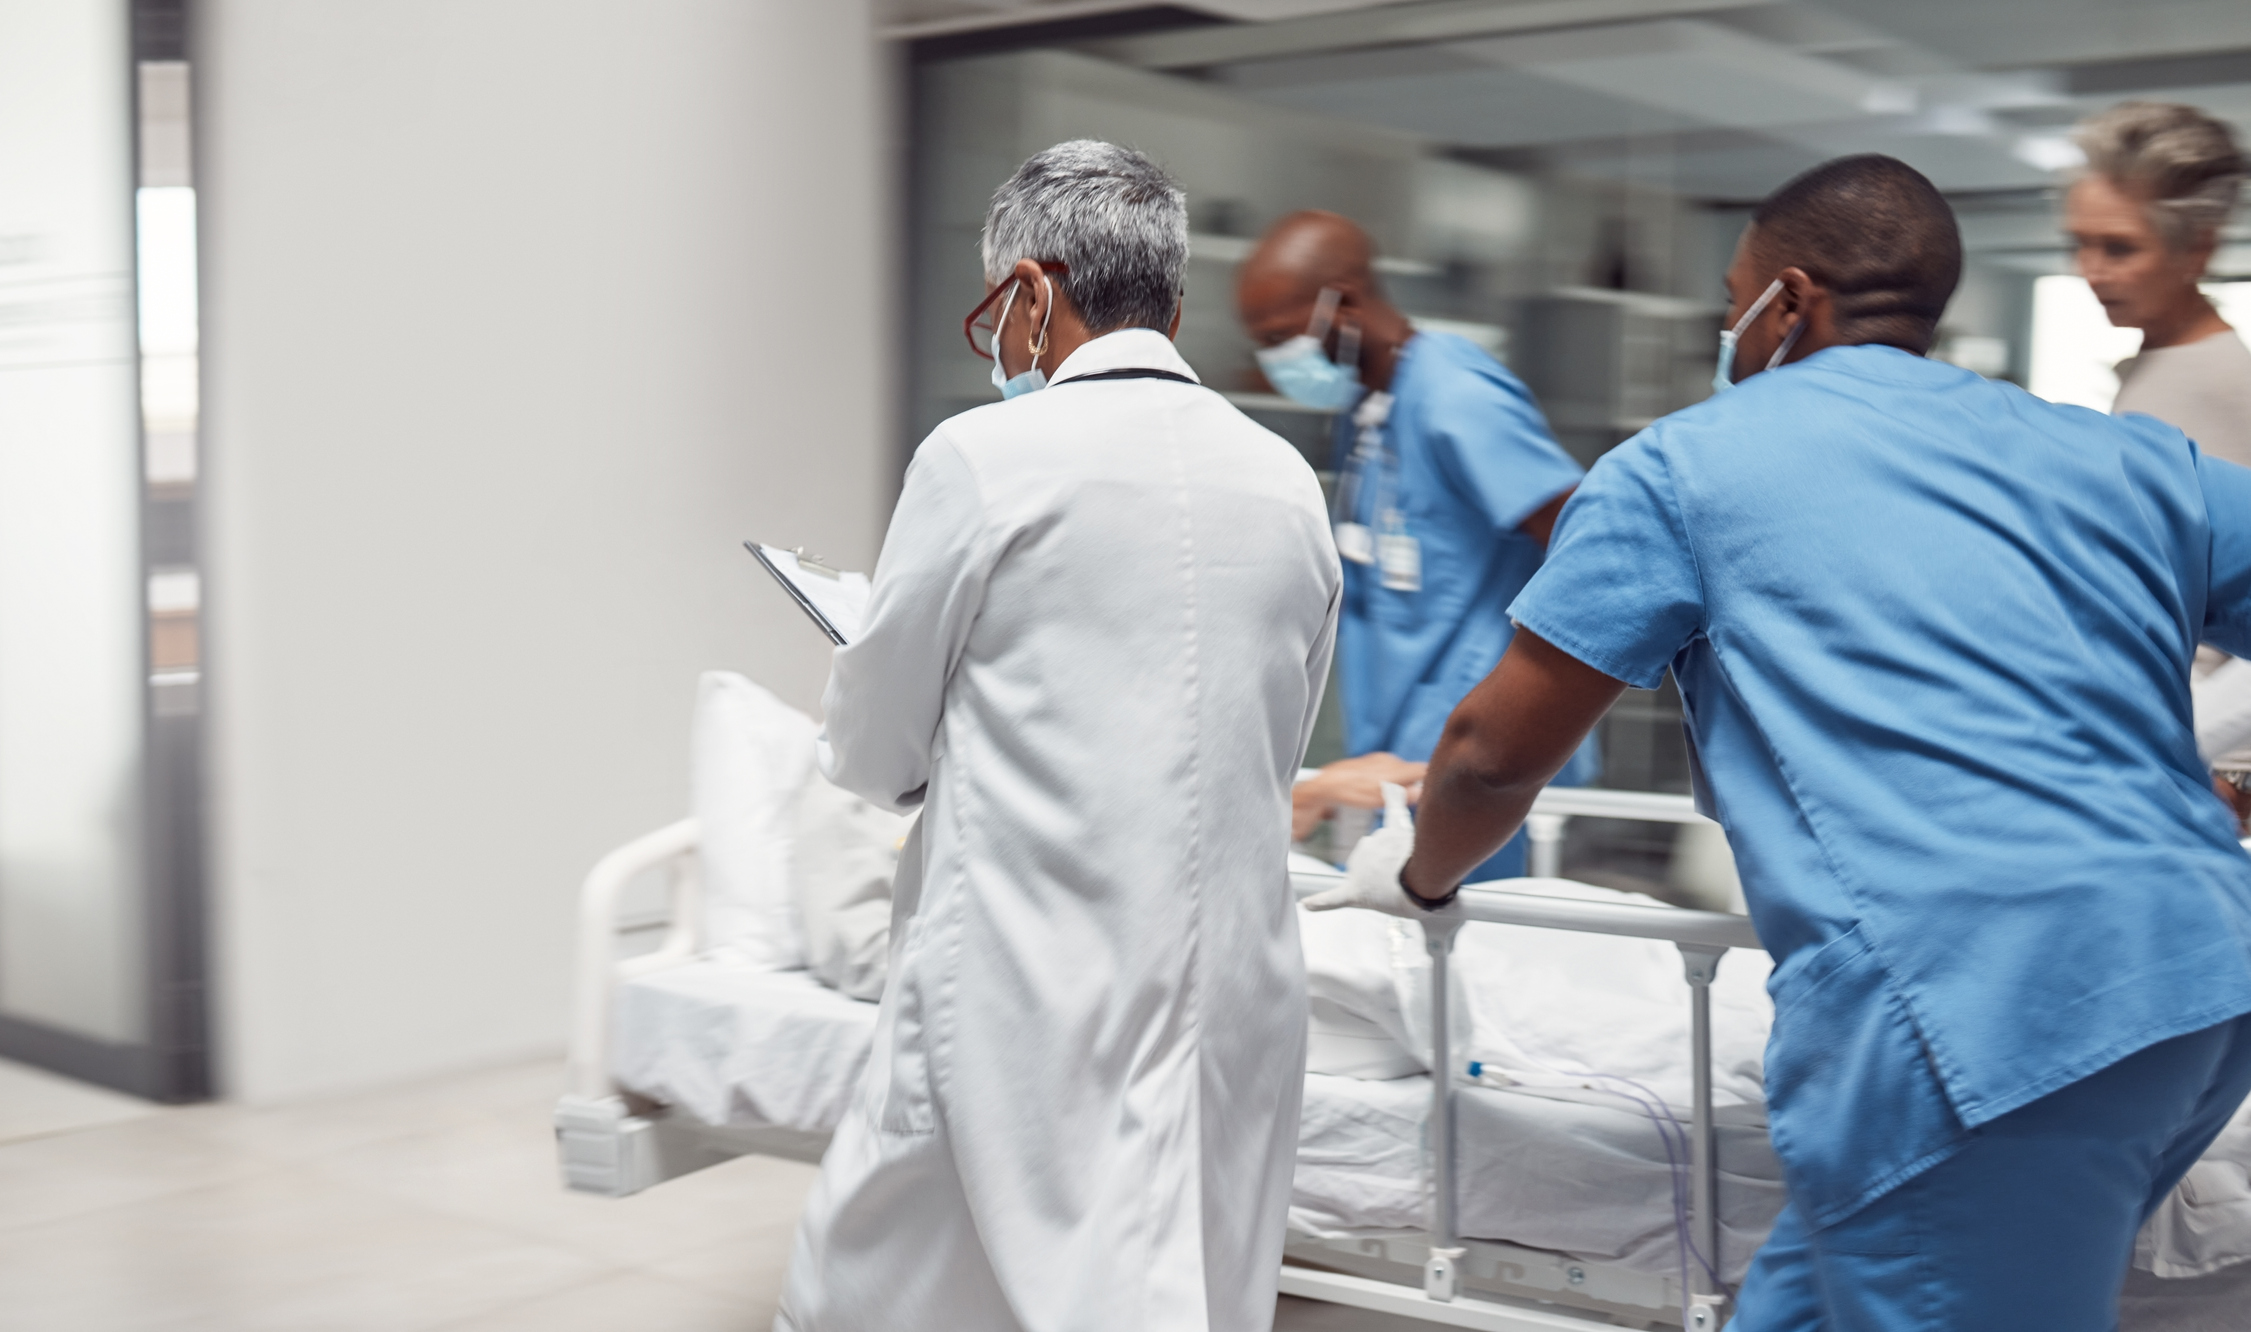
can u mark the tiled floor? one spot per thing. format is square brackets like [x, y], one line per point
[34, 1103]
[428, 1207]
[437, 1207]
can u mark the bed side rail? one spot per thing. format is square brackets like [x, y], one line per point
[594, 988]
[1703, 937]
[1680, 925]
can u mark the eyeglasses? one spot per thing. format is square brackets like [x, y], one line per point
[975, 324]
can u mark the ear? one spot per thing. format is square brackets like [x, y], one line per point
[2197, 257]
[1034, 289]
[1803, 296]
[1797, 291]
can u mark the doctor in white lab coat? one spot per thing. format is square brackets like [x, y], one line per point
[1100, 626]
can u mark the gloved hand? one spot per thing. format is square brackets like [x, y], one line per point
[1371, 876]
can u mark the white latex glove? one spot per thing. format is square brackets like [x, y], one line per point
[1371, 876]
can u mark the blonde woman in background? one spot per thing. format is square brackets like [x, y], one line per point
[2144, 220]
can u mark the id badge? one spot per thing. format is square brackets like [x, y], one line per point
[1356, 543]
[1401, 558]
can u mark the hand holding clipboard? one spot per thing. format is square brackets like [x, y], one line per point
[836, 601]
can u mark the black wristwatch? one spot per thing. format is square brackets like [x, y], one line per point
[1427, 903]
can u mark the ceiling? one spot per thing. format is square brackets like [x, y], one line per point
[1717, 99]
[912, 18]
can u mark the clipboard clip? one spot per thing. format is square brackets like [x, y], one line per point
[814, 563]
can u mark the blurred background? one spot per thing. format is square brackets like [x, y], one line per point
[384, 391]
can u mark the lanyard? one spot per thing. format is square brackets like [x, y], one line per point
[1389, 547]
[1368, 447]
[1128, 374]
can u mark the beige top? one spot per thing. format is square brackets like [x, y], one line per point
[2202, 388]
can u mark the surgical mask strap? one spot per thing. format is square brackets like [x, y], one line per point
[1002, 322]
[1041, 349]
[1723, 374]
[1766, 297]
[1348, 345]
[1789, 340]
[1324, 313]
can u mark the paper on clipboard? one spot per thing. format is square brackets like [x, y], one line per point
[835, 601]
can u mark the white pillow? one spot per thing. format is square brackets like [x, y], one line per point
[844, 856]
[1354, 1026]
[751, 753]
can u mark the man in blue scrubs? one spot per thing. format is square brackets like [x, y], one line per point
[1934, 637]
[1448, 485]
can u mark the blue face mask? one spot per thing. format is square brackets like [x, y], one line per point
[1723, 377]
[1030, 381]
[1302, 372]
[1034, 379]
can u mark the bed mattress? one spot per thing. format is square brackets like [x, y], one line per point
[731, 1043]
[1568, 1169]
[1577, 1171]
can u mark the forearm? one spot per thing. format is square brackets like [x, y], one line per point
[881, 714]
[1512, 734]
[886, 692]
[1474, 799]
[1353, 783]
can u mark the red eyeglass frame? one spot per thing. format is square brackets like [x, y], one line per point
[969, 325]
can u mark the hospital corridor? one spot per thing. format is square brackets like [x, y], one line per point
[1106, 666]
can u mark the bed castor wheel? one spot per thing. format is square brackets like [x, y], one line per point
[1442, 1274]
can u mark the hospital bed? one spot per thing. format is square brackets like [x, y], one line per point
[679, 1062]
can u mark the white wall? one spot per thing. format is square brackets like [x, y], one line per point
[519, 315]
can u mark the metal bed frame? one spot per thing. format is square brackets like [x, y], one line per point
[613, 1144]
[1446, 1259]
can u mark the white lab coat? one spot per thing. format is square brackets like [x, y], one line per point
[1099, 631]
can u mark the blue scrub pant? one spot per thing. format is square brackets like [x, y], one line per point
[2030, 1225]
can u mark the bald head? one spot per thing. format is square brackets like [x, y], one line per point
[1302, 255]
[1305, 252]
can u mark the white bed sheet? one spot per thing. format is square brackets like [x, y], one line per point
[735, 1044]
[1545, 1008]
[1577, 1172]
[1562, 1168]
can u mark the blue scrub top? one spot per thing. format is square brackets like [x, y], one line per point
[1474, 459]
[1934, 637]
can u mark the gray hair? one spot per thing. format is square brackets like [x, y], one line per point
[1111, 214]
[2181, 163]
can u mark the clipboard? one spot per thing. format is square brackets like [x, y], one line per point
[835, 600]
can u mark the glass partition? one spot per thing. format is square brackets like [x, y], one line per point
[98, 957]
[71, 672]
